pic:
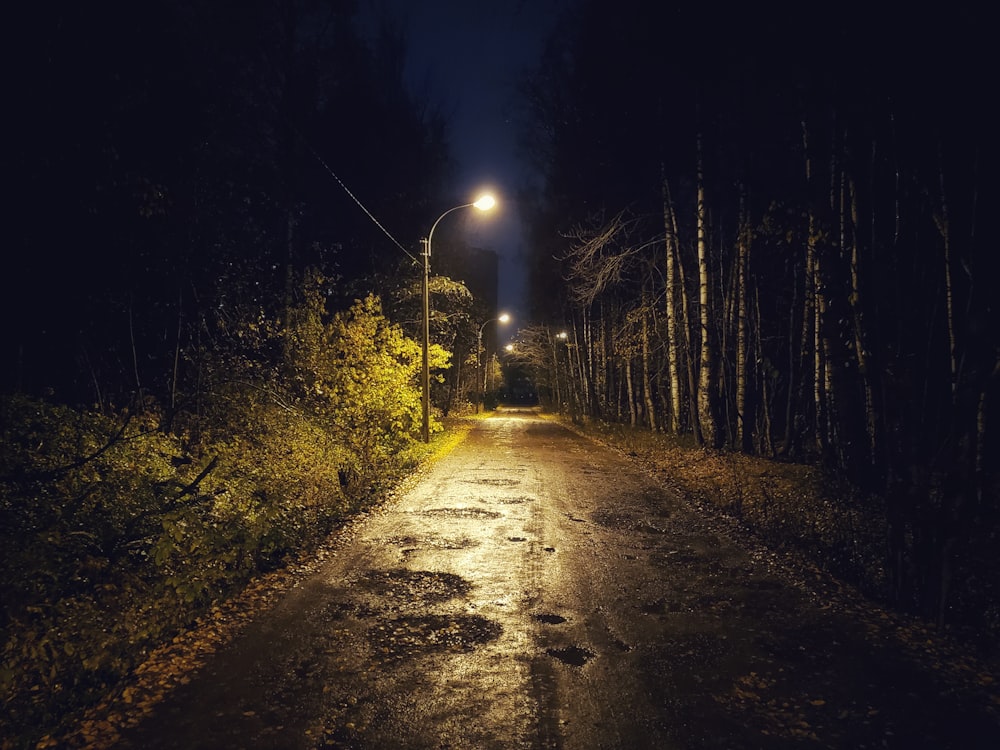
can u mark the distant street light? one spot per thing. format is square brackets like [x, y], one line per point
[483, 203]
[481, 382]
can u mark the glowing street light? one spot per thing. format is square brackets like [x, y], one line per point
[484, 203]
[481, 382]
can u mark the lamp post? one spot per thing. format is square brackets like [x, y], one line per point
[561, 336]
[481, 382]
[483, 203]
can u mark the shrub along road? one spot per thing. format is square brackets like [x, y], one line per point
[531, 589]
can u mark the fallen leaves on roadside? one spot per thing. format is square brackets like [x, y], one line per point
[173, 663]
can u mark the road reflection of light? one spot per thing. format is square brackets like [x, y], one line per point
[516, 413]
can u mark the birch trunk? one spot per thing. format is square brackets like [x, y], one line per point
[673, 338]
[687, 324]
[633, 417]
[706, 417]
[814, 295]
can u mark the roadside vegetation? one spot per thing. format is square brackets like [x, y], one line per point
[127, 524]
[802, 279]
[814, 515]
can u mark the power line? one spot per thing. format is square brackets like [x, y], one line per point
[353, 197]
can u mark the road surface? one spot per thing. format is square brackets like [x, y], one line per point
[536, 590]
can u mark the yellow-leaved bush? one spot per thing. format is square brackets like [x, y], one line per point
[117, 528]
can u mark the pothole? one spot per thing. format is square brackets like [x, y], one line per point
[512, 500]
[612, 520]
[572, 655]
[431, 541]
[410, 586]
[549, 619]
[460, 513]
[658, 607]
[667, 558]
[647, 528]
[410, 637]
[336, 610]
[494, 481]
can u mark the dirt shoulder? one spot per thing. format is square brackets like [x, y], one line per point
[793, 513]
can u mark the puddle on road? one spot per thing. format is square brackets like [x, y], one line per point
[413, 586]
[572, 655]
[666, 557]
[460, 513]
[508, 500]
[432, 541]
[626, 521]
[647, 528]
[410, 637]
[494, 481]
[658, 607]
[549, 619]
[611, 519]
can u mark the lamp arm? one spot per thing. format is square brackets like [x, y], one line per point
[430, 234]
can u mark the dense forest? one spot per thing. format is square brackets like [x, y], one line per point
[767, 232]
[759, 233]
[210, 336]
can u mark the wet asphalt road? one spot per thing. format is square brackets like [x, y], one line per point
[534, 590]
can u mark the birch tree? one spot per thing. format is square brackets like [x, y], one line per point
[707, 427]
[671, 293]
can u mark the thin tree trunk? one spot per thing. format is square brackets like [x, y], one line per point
[673, 342]
[581, 359]
[796, 376]
[860, 334]
[177, 355]
[814, 295]
[633, 417]
[982, 434]
[706, 417]
[647, 381]
[766, 440]
[744, 426]
[692, 383]
[724, 380]
[943, 227]
[135, 354]
[603, 366]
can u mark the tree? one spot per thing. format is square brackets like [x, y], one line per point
[707, 431]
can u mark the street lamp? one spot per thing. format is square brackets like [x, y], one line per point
[481, 382]
[561, 336]
[483, 203]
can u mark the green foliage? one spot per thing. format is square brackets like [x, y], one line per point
[372, 382]
[79, 494]
[115, 532]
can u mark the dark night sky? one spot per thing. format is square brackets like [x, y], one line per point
[464, 57]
